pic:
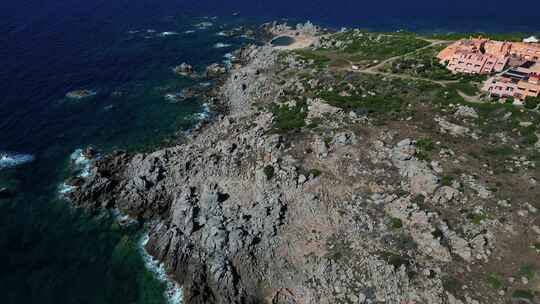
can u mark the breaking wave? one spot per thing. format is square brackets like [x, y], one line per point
[220, 45]
[9, 160]
[173, 291]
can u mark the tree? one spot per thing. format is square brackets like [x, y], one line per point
[532, 102]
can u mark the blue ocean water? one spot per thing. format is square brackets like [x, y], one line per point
[50, 253]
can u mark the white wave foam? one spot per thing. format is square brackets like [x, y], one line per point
[173, 291]
[205, 112]
[189, 32]
[8, 160]
[228, 59]
[81, 164]
[220, 45]
[222, 34]
[204, 25]
[165, 34]
[64, 189]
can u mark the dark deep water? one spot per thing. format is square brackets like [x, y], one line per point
[52, 254]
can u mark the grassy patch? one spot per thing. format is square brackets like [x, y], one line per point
[318, 58]
[289, 118]
[424, 148]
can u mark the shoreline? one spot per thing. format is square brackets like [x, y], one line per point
[255, 202]
[173, 291]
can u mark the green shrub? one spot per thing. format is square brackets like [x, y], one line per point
[315, 172]
[528, 271]
[269, 172]
[447, 180]
[396, 223]
[495, 281]
[289, 118]
[532, 102]
[477, 218]
[451, 284]
[424, 149]
[523, 294]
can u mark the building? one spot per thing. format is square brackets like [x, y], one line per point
[485, 56]
[519, 83]
[475, 56]
[527, 51]
[475, 63]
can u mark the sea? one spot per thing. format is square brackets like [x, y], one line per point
[122, 52]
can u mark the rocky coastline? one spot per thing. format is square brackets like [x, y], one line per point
[241, 213]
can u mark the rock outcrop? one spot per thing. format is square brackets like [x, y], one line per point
[240, 214]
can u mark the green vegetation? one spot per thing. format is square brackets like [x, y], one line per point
[396, 223]
[314, 172]
[365, 45]
[452, 284]
[318, 58]
[532, 102]
[269, 172]
[422, 64]
[477, 217]
[465, 86]
[528, 271]
[424, 149]
[364, 104]
[523, 294]
[516, 36]
[495, 281]
[501, 151]
[447, 180]
[289, 118]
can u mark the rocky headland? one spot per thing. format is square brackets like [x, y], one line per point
[291, 197]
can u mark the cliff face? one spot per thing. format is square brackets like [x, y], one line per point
[243, 214]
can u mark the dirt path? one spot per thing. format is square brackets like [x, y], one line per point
[469, 98]
[374, 70]
[382, 63]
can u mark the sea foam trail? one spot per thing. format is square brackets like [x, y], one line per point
[173, 291]
[9, 160]
[220, 45]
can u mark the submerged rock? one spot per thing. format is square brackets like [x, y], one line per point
[215, 69]
[80, 94]
[183, 69]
